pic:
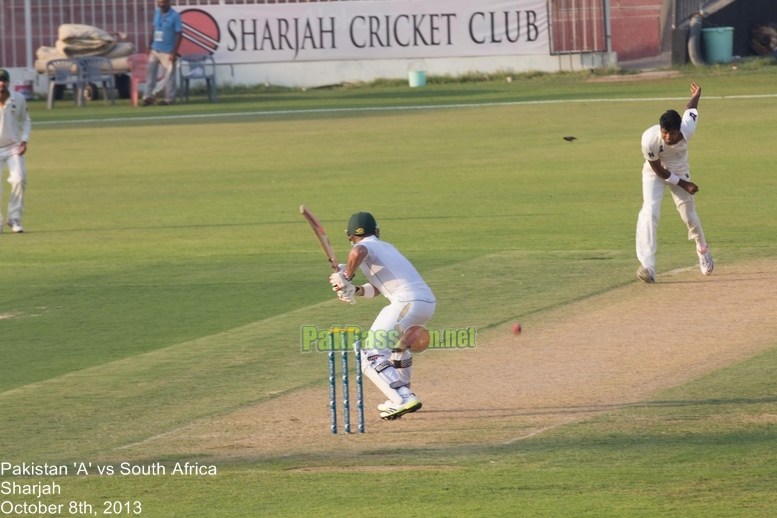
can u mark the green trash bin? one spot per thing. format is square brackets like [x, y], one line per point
[719, 42]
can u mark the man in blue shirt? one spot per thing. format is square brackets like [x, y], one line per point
[162, 49]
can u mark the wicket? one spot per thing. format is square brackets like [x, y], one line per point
[333, 391]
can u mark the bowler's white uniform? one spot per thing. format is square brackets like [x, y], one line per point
[13, 117]
[412, 302]
[675, 159]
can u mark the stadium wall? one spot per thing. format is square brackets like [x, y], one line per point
[577, 43]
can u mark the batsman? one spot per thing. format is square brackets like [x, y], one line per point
[412, 303]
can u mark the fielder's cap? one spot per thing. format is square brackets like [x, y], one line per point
[362, 224]
[4, 75]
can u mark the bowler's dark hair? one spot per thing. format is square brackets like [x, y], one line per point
[670, 121]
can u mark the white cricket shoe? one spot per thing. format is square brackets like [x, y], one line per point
[646, 274]
[410, 404]
[15, 225]
[388, 405]
[706, 264]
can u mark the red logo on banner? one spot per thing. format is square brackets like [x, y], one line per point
[201, 34]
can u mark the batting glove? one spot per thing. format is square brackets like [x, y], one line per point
[342, 268]
[338, 281]
[347, 294]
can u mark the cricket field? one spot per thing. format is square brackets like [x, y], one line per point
[150, 348]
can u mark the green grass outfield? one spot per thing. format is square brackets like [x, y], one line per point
[165, 272]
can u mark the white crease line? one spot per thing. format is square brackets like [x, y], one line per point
[543, 430]
[149, 439]
[677, 271]
[391, 108]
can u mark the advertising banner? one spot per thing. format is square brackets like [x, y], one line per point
[333, 31]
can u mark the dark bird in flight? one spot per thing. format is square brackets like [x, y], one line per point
[570, 138]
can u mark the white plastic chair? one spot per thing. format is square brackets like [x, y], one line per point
[197, 66]
[99, 70]
[65, 72]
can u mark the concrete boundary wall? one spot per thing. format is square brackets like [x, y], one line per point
[322, 73]
[313, 74]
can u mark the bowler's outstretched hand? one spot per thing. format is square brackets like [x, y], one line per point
[693, 103]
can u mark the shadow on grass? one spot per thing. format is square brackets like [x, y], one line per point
[422, 94]
[646, 448]
[704, 402]
[595, 409]
[273, 223]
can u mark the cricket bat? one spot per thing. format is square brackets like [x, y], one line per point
[323, 240]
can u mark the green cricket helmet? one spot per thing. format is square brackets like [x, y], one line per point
[362, 224]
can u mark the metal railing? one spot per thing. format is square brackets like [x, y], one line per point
[30, 24]
[684, 9]
[577, 26]
[131, 17]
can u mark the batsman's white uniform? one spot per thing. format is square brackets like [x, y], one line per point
[13, 117]
[412, 304]
[675, 159]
